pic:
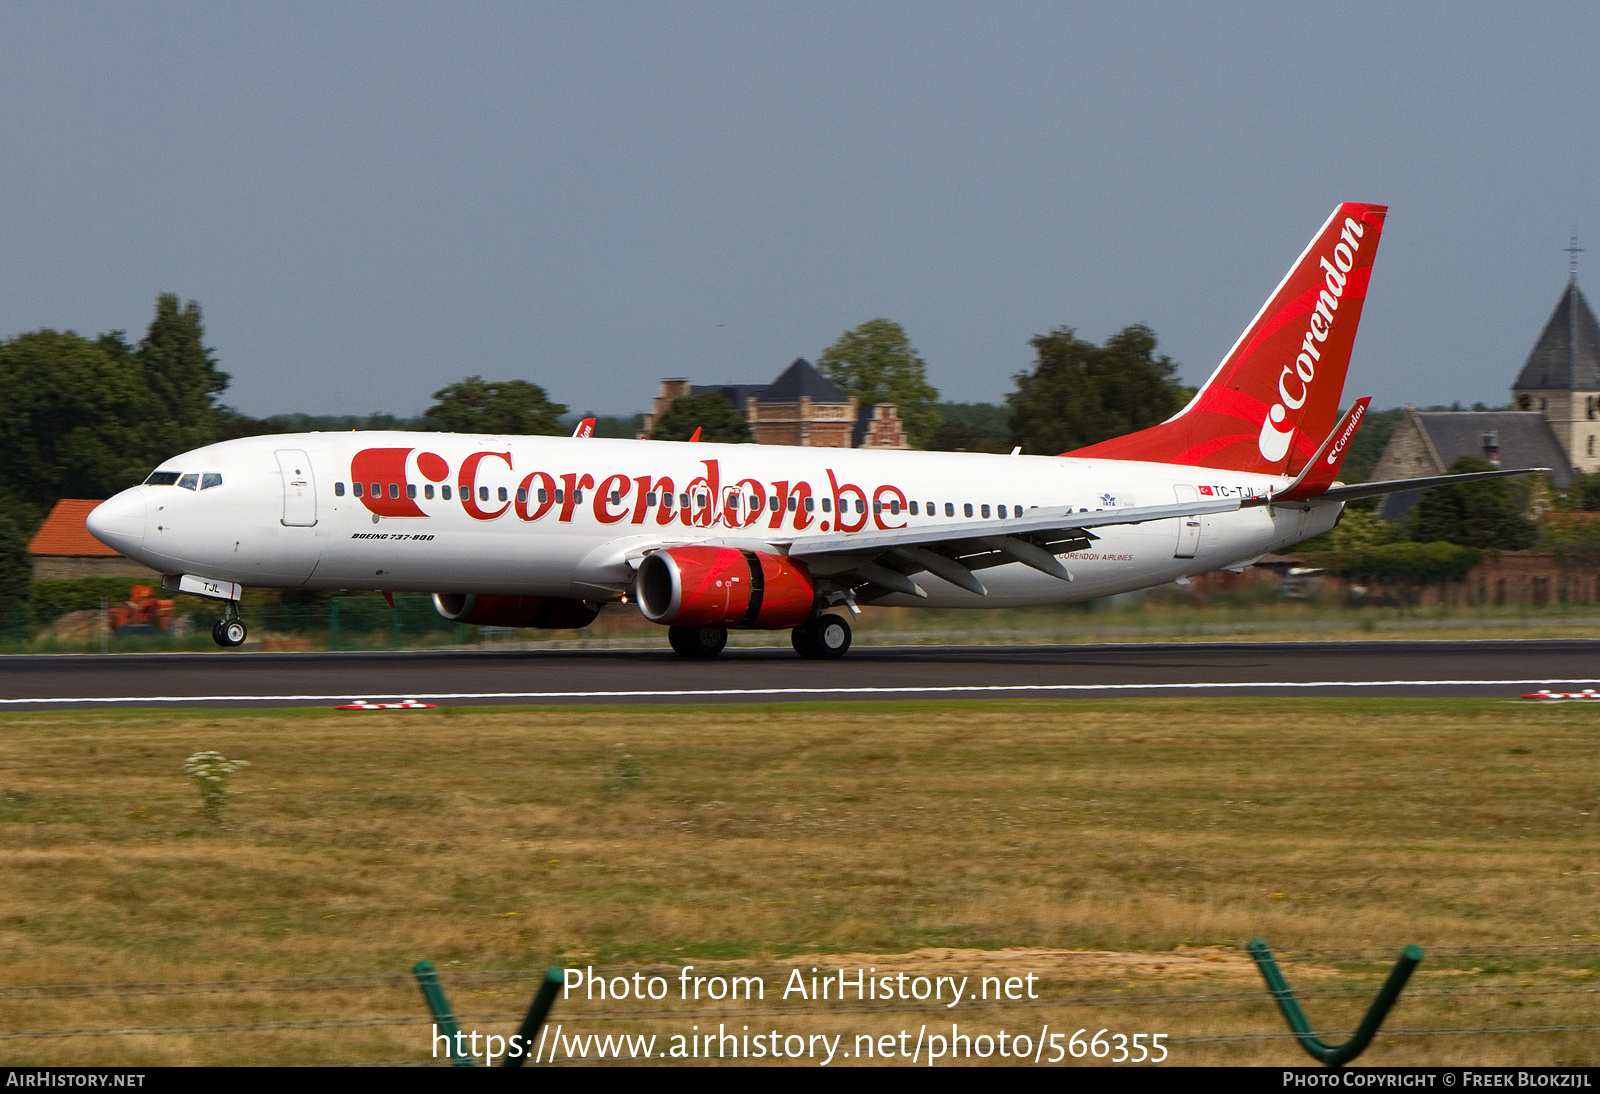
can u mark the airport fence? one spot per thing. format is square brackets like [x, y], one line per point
[1470, 1005]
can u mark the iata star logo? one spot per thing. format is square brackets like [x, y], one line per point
[1108, 500]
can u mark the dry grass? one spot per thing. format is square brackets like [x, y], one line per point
[511, 839]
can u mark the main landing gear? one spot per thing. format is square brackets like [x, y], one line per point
[822, 636]
[230, 631]
[698, 642]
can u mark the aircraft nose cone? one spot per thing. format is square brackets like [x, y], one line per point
[119, 522]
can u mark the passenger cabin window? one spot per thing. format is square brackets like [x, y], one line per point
[427, 491]
[394, 490]
[811, 505]
[161, 478]
[650, 499]
[827, 505]
[338, 489]
[894, 507]
[377, 489]
[543, 497]
[356, 489]
[444, 492]
[949, 508]
[522, 495]
[411, 490]
[502, 493]
[986, 512]
[861, 506]
[913, 508]
[967, 508]
[190, 482]
[210, 479]
[794, 503]
[483, 493]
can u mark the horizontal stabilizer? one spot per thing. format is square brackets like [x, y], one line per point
[1399, 486]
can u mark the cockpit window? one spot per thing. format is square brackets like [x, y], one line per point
[161, 478]
[210, 479]
[190, 482]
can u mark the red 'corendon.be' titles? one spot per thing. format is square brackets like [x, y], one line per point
[703, 501]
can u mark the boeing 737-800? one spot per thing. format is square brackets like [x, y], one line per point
[545, 531]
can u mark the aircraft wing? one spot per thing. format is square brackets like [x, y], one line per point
[887, 559]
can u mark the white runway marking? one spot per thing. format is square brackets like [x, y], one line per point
[717, 693]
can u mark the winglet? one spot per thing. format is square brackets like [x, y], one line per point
[1323, 469]
[696, 436]
[585, 428]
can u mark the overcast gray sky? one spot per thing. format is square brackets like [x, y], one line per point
[372, 201]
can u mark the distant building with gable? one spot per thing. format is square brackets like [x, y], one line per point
[1556, 423]
[801, 407]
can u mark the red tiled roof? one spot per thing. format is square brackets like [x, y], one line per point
[63, 531]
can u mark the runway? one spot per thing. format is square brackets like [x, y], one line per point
[479, 677]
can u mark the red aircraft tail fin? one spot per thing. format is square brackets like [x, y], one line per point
[1276, 393]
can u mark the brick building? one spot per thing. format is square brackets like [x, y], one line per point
[801, 407]
[63, 548]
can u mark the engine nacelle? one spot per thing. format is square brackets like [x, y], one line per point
[723, 587]
[493, 610]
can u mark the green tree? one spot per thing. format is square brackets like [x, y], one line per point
[1482, 514]
[73, 426]
[1583, 493]
[1079, 393]
[181, 378]
[716, 418]
[16, 577]
[496, 406]
[876, 363]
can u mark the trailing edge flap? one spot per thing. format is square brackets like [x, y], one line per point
[1398, 486]
[1038, 524]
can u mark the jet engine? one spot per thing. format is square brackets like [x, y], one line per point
[723, 587]
[492, 610]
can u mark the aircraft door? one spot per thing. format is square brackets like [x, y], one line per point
[299, 489]
[1188, 527]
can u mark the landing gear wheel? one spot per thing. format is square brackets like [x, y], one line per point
[216, 632]
[229, 632]
[824, 636]
[698, 642]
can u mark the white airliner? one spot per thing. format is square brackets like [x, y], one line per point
[545, 531]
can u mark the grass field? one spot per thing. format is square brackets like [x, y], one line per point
[1123, 851]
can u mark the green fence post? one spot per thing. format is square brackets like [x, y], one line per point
[554, 978]
[1333, 1055]
[444, 1019]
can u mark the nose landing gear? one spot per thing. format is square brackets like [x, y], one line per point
[230, 631]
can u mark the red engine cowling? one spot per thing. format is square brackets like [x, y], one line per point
[493, 610]
[723, 586]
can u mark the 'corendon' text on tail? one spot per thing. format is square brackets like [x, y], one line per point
[1275, 396]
